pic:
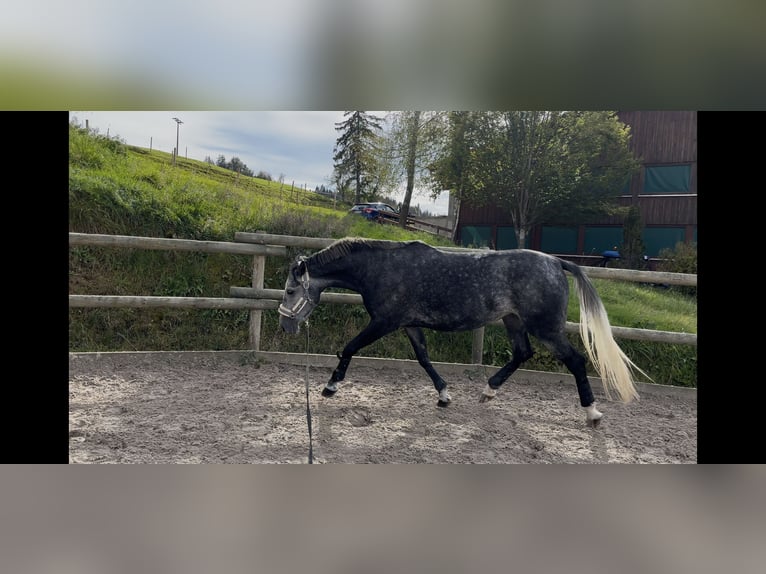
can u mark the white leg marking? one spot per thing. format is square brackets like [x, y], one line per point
[444, 396]
[489, 391]
[592, 414]
[331, 387]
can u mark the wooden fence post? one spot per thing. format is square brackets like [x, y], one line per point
[259, 270]
[477, 346]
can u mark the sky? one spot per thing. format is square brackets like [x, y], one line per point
[296, 144]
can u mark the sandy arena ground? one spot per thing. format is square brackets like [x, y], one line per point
[228, 407]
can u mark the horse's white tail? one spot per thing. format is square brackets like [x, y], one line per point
[614, 366]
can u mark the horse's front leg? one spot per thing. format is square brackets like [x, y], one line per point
[374, 331]
[338, 374]
[418, 340]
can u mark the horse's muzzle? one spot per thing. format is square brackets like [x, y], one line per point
[290, 318]
[289, 325]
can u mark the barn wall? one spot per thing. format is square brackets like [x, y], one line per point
[663, 136]
[659, 138]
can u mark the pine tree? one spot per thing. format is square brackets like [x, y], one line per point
[355, 149]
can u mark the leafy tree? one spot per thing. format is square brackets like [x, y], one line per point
[343, 184]
[681, 259]
[355, 150]
[553, 167]
[632, 251]
[449, 169]
[412, 142]
[235, 164]
[239, 166]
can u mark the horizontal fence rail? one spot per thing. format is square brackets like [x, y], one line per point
[117, 301]
[257, 299]
[160, 243]
[639, 276]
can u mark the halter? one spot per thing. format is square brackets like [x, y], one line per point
[294, 311]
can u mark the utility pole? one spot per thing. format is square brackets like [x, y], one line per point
[178, 125]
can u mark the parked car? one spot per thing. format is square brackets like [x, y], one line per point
[376, 211]
[359, 208]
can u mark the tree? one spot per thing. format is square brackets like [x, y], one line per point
[342, 185]
[411, 143]
[449, 169]
[235, 164]
[552, 167]
[632, 251]
[355, 150]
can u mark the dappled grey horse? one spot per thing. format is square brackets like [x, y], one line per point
[412, 285]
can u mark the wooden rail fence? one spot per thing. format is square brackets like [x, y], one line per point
[257, 299]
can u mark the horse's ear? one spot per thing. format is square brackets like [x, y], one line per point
[301, 269]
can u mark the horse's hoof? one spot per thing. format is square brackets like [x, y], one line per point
[593, 416]
[484, 398]
[327, 392]
[442, 404]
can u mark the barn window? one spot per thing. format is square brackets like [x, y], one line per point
[667, 179]
[475, 235]
[559, 240]
[600, 239]
[657, 238]
[506, 238]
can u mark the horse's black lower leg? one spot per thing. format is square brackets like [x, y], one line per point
[338, 374]
[522, 351]
[367, 336]
[563, 350]
[418, 340]
[575, 362]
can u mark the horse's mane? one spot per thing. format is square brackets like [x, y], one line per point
[349, 245]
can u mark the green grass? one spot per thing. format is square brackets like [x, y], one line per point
[641, 306]
[124, 190]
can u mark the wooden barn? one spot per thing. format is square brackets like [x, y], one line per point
[664, 189]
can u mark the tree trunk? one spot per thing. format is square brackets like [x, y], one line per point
[521, 228]
[412, 144]
[358, 186]
[455, 215]
[521, 238]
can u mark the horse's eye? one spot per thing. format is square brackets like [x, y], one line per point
[290, 291]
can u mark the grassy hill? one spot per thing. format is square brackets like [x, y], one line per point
[125, 190]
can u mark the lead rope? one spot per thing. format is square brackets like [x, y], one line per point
[308, 407]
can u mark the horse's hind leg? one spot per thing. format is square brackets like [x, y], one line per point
[370, 334]
[418, 340]
[563, 350]
[522, 351]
